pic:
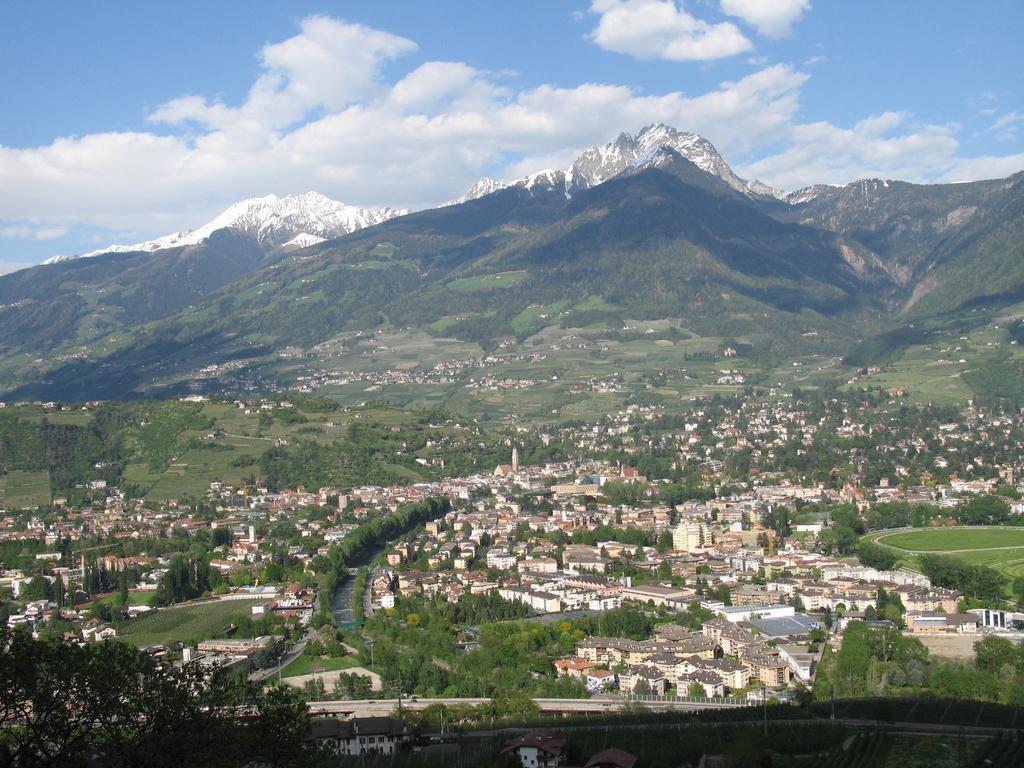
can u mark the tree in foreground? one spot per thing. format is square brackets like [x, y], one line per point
[108, 704]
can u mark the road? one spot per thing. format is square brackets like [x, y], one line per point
[367, 707]
[884, 725]
[368, 594]
[262, 675]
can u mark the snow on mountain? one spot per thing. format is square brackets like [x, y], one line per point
[598, 164]
[627, 152]
[302, 240]
[549, 178]
[482, 188]
[293, 221]
[806, 194]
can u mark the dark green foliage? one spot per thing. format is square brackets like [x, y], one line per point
[997, 378]
[983, 510]
[186, 579]
[117, 434]
[108, 704]
[977, 581]
[875, 556]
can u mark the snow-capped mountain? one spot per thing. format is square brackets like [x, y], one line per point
[627, 152]
[485, 186]
[289, 222]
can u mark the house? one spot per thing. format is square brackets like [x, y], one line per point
[613, 757]
[539, 749]
[95, 630]
[360, 735]
[577, 668]
[600, 680]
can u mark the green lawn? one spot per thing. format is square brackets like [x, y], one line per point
[188, 624]
[24, 489]
[305, 665]
[953, 539]
[999, 548]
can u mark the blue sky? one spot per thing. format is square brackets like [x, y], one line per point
[123, 121]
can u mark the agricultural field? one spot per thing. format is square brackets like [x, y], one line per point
[1001, 548]
[486, 282]
[24, 489]
[564, 365]
[956, 366]
[188, 624]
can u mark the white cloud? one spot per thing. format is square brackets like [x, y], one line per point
[772, 18]
[986, 167]
[649, 29]
[1005, 128]
[329, 64]
[878, 146]
[31, 231]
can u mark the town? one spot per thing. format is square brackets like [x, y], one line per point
[710, 556]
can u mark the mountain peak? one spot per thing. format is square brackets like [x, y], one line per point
[485, 186]
[629, 153]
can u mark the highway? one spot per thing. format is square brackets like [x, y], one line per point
[367, 707]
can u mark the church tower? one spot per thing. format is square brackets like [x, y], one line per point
[515, 459]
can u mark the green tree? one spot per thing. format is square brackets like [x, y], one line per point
[108, 704]
[992, 653]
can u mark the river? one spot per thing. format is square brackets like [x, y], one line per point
[341, 600]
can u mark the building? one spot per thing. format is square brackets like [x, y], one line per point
[656, 682]
[690, 535]
[998, 618]
[600, 680]
[654, 595]
[360, 735]
[737, 613]
[711, 683]
[936, 622]
[539, 749]
[613, 757]
[235, 647]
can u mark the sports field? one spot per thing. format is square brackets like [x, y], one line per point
[958, 539]
[1001, 548]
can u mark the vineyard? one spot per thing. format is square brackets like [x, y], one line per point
[187, 624]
